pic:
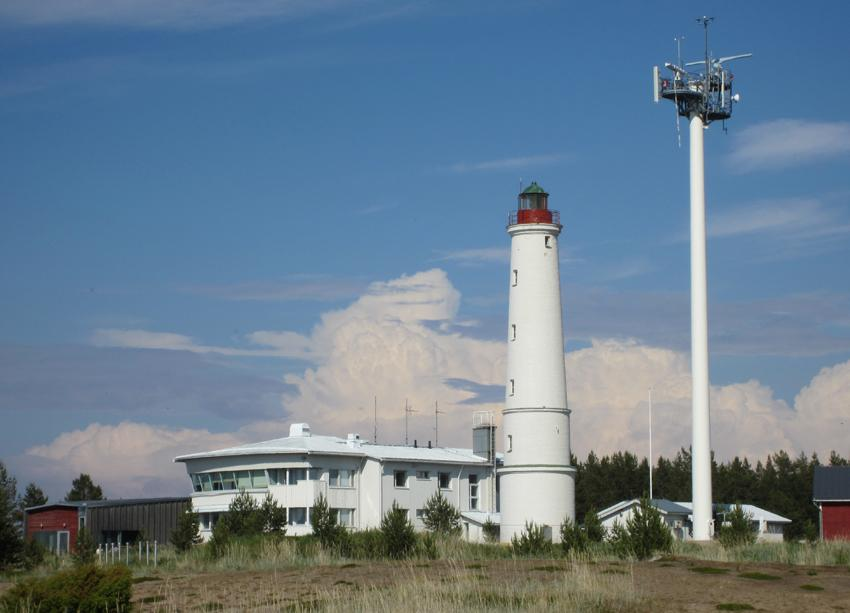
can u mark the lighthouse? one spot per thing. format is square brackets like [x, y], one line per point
[537, 482]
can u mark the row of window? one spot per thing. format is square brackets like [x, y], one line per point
[295, 516]
[444, 479]
[259, 479]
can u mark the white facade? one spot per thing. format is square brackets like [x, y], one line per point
[359, 479]
[537, 482]
[675, 516]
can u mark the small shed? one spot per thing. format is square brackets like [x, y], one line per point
[674, 515]
[57, 524]
[473, 523]
[768, 526]
[831, 494]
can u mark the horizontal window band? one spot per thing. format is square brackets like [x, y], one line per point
[543, 468]
[535, 410]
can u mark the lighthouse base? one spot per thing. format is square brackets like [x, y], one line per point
[542, 494]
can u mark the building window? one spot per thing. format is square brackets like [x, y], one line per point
[216, 482]
[259, 478]
[296, 475]
[547, 242]
[473, 492]
[400, 477]
[423, 475]
[515, 277]
[445, 481]
[513, 332]
[228, 481]
[196, 482]
[340, 477]
[345, 517]
[314, 474]
[420, 514]
[511, 387]
[510, 444]
[277, 476]
[297, 516]
[243, 479]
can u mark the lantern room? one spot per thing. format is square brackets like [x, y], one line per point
[533, 207]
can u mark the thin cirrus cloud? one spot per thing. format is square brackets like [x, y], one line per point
[788, 142]
[512, 163]
[165, 14]
[485, 255]
[305, 288]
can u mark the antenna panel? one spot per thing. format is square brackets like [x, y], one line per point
[656, 84]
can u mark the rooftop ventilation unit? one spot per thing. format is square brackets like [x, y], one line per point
[299, 430]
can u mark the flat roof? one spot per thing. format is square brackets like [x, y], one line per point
[832, 484]
[117, 502]
[332, 445]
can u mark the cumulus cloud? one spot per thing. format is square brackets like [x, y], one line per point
[788, 142]
[392, 343]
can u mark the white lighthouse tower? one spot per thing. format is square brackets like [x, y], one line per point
[537, 481]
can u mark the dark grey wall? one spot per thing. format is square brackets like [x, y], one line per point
[155, 520]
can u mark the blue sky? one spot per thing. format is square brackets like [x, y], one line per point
[178, 177]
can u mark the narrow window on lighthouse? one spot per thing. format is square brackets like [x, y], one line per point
[516, 276]
[512, 387]
[513, 332]
[546, 242]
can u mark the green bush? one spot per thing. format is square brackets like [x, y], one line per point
[593, 528]
[246, 518]
[532, 541]
[441, 516]
[85, 588]
[491, 531]
[644, 534]
[365, 544]
[325, 527]
[397, 531]
[573, 537]
[33, 554]
[186, 532]
[85, 551]
[738, 529]
[274, 516]
[426, 546]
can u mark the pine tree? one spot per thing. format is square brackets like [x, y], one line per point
[10, 538]
[441, 516]
[397, 532]
[186, 532]
[324, 523]
[83, 488]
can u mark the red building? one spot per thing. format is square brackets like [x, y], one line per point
[56, 525]
[832, 496]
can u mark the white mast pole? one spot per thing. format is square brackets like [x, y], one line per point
[650, 443]
[701, 445]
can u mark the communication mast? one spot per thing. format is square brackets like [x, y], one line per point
[702, 97]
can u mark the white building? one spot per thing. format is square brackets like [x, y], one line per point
[675, 516]
[537, 480]
[359, 479]
[769, 527]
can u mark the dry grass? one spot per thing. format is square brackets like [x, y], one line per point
[827, 553]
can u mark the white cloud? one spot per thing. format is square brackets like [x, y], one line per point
[514, 163]
[788, 142]
[386, 344]
[184, 14]
[319, 288]
[796, 219]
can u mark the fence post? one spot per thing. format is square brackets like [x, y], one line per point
[147, 553]
[154, 554]
[139, 560]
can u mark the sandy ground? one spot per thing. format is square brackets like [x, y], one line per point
[667, 585]
[664, 585]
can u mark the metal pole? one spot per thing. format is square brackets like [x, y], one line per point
[650, 443]
[139, 560]
[147, 553]
[701, 445]
[154, 554]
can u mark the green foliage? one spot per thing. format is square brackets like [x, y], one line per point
[186, 533]
[491, 531]
[83, 488]
[593, 528]
[644, 533]
[365, 544]
[573, 538]
[33, 554]
[397, 531]
[274, 516]
[738, 528]
[532, 541]
[85, 551]
[426, 546]
[10, 539]
[86, 588]
[441, 516]
[33, 497]
[325, 526]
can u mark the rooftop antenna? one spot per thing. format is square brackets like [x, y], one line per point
[650, 443]
[375, 421]
[407, 411]
[437, 413]
[702, 98]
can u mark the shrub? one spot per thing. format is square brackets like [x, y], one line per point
[738, 529]
[644, 534]
[426, 546]
[186, 532]
[491, 531]
[274, 516]
[399, 538]
[573, 538]
[365, 544]
[85, 551]
[33, 554]
[325, 527]
[593, 528]
[532, 541]
[243, 517]
[441, 516]
[84, 588]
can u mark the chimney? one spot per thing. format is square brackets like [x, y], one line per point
[415, 444]
[429, 444]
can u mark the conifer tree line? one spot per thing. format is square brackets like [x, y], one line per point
[781, 484]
